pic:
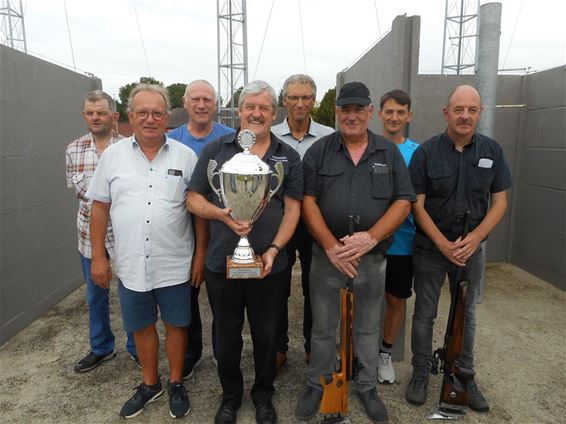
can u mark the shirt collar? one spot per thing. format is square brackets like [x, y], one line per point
[451, 143]
[312, 131]
[136, 144]
[374, 142]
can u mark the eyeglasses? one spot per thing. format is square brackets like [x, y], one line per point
[155, 114]
[303, 98]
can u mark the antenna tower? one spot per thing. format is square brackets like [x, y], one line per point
[12, 29]
[232, 56]
[459, 51]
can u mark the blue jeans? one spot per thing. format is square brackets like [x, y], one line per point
[369, 287]
[101, 336]
[431, 268]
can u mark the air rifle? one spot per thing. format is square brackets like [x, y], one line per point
[454, 396]
[334, 402]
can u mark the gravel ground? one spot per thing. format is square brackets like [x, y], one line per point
[520, 355]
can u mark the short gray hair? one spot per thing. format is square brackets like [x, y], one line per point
[97, 95]
[299, 79]
[200, 82]
[256, 87]
[154, 88]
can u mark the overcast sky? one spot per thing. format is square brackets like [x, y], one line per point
[181, 43]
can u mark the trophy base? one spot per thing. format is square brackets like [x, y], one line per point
[242, 271]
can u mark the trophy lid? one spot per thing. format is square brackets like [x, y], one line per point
[246, 162]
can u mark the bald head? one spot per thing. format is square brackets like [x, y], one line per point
[465, 90]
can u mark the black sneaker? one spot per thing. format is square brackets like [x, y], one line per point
[136, 360]
[92, 360]
[144, 394]
[416, 390]
[374, 406]
[477, 402]
[190, 365]
[179, 404]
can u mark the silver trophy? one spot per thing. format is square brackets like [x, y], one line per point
[245, 188]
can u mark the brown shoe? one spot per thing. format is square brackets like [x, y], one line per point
[280, 360]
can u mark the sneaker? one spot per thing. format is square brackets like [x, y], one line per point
[144, 394]
[374, 406]
[280, 360]
[308, 404]
[477, 402]
[190, 365]
[416, 390]
[179, 404]
[92, 360]
[385, 370]
[136, 360]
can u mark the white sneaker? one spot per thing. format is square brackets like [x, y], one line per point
[385, 370]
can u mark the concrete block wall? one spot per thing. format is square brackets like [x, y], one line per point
[40, 113]
[538, 239]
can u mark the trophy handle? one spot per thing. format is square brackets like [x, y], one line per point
[279, 174]
[210, 173]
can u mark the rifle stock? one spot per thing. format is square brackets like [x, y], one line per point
[335, 386]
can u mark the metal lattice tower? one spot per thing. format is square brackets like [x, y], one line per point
[232, 56]
[460, 36]
[12, 29]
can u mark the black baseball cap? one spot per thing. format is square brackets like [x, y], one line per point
[353, 93]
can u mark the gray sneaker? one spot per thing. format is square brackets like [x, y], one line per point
[308, 404]
[477, 402]
[374, 406]
[416, 390]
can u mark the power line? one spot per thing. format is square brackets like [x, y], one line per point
[141, 38]
[264, 35]
[302, 36]
[69, 32]
[513, 33]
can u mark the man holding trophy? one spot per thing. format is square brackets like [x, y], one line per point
[256, 208]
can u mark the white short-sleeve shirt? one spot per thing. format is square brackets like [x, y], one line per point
[153, 234]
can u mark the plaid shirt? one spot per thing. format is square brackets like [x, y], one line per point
[82, 159]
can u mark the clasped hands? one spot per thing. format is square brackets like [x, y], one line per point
[459, 251]
[346, 255]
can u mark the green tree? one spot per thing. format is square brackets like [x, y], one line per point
[324, 112]
[124, 93]
[280, 98]
[176, 93]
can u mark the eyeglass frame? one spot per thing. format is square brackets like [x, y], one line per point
[152, 113]
[305, 98]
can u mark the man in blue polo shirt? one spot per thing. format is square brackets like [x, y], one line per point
[394, 113]
[200, 102]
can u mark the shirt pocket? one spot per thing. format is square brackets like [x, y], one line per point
[381, 182]
[172, 187]
[440, 180]
[481, 178]
[328, 180]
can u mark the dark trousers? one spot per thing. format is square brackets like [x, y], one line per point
[262, 300]
[194, 330]
[301, 242]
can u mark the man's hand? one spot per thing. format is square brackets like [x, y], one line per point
[347, 267]
[464, 249]
[267, 259]
[241, 228]
[101, 272]
[446, 247]
[197, 270]
[355, 246]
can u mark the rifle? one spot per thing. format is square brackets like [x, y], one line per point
[334, 402]
[454, 397]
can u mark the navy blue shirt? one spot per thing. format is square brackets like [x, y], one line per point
[455, 182]
[223, 240]
[366, 189]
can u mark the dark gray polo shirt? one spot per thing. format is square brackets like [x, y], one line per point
[366, 189]
[456, 182]
[223, 240]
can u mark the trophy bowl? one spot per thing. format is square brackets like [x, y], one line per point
[245, 188]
